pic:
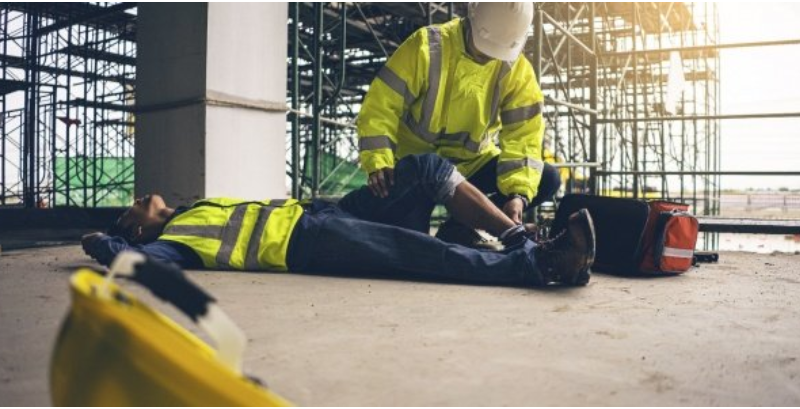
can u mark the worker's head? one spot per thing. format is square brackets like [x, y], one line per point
[499, 30]
[143, 222]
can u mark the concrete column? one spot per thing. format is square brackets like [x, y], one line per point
[210, 90]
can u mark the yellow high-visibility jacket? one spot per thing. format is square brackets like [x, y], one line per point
[431, 96]
[234, 234]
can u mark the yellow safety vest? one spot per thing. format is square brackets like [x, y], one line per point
[234, 234]
[431, 96]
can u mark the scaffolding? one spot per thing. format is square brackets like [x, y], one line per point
[599, 82]
[641, 117]
[66, 93]
[632, 96]
[335, 50]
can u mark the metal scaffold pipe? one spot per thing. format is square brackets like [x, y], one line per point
[295, 10]
[316, 106]
[322, 119]
[569, 105]
[635, 136]
[701, 173]
[774, 115]
[593, 61]
[588, 50]
[705, 47]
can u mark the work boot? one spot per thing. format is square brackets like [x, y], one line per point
[454, 232]
[566, 259]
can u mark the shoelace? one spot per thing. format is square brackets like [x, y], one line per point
[553, 256]
[549, 243]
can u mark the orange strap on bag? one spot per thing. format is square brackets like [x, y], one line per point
[669, 239]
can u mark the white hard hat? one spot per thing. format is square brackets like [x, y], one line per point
[499, 30]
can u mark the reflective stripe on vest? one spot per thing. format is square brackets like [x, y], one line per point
[396, 84]
[251, 260]
[230, 234]
[520, 114]
[218, 244]
[505, 68]
[208, 232]
[434, 79]
[511, 165]
[371, 143]
[422, 128]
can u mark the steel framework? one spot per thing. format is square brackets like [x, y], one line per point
[594, 66]
[335, 51]
[632, 96]
[67, 93]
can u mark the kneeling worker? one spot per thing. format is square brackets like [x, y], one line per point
[456, 90]
[362, 234]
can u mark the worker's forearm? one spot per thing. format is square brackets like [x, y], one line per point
[472, 208]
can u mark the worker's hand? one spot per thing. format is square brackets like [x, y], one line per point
[380, 181]
[513, 209]
[88, 240]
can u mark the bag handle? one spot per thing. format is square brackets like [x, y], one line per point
[169, 283]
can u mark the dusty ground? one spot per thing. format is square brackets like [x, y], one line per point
[726, 334]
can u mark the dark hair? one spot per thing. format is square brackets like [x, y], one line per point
[116, 229]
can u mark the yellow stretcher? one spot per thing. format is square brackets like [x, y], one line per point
[113, 350]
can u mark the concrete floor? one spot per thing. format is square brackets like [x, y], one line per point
[725, 334]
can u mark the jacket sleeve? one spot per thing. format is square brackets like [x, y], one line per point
[397, 86]
[106, 248]
[520, 165]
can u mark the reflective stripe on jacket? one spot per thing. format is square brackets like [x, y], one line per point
[431, 96]
[233, 234]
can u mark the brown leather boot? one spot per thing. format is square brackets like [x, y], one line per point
[567, 258]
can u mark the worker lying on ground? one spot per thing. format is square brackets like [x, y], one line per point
[457, 89]
[362, 234]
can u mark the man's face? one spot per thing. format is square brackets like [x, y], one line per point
[141, 223]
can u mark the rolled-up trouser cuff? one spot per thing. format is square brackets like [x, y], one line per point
[448, 188]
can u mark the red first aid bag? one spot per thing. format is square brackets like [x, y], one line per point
[669, 239]
[634, 236]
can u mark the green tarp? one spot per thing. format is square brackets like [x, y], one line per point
[339, 176]
[108, 181]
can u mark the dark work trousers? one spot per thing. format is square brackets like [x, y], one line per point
[369, 234]
[485, 179]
